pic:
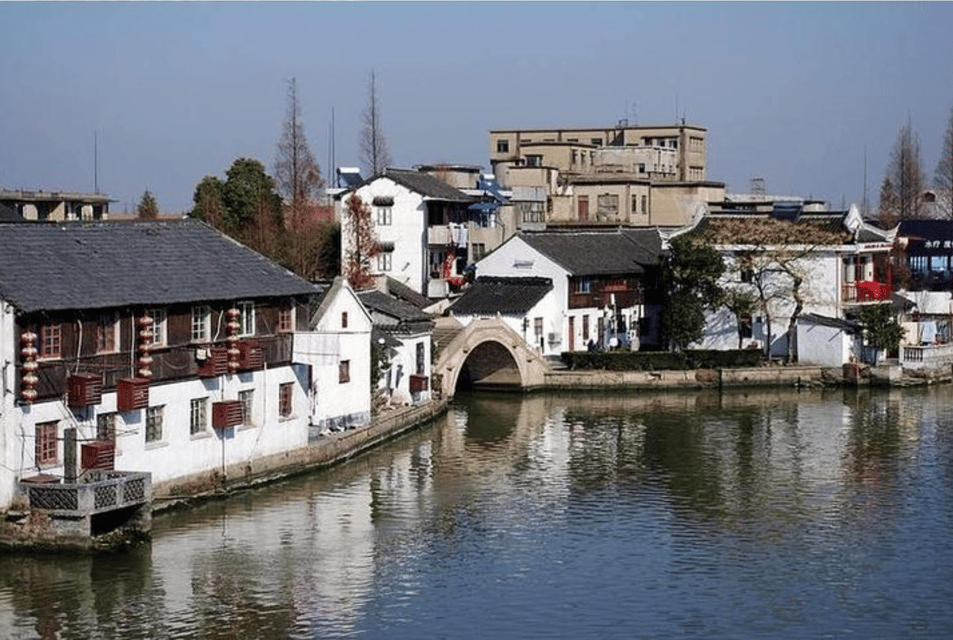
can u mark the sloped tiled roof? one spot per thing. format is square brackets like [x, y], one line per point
[927, 229]
[761, 229]
[597, 252]
[506, 296]
[426, 185]
[403, 292]
[380, 302]
[94, 265]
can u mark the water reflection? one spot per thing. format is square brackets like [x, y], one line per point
[749, 514]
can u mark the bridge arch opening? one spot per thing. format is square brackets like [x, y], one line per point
[489, 366]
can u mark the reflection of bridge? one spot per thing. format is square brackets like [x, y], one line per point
[486, 353]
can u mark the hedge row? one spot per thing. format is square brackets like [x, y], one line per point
[661, 360]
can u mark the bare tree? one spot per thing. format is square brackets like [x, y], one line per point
[374, 153]
[906, 172]
[298, 181]
[888, 213]
[943, 178]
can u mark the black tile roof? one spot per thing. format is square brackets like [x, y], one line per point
[426, 185]
[927, 229]
[95, 265]
[506, 296]
[380, 302]
[597, 252]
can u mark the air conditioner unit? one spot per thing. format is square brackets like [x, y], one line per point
[132, 393]
[85, 389]
[553, 338]
[419, 384]
[251, 357]
[98, 455]
[214, 364]
[227, 413]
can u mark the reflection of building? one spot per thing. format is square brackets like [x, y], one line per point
[55, 205]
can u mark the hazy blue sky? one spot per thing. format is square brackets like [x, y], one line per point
[793, 93]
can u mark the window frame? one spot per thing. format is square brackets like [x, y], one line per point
[153, 428]
[286, 399]
[107, 332]
[160, 319]
[384, 215]
[384, 262]
[46, 444]
[201, 325]
[286, 317]
[247, 398]
[246, 318]
[50, 341]
[198, 416]
[344, 371]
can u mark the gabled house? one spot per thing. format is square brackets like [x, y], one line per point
[337, 346]
[522, 302]
[421, 224]
[819, 266]
[603, 282]
[165, 348]
[404, 331]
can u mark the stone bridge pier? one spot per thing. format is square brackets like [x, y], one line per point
[486, 354]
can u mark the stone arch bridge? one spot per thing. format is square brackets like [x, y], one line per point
[485, 354]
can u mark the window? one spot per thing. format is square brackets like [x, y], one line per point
[538, 326]
[286, 317]
[158, 326]
[285, 394]
[383, 262]
[502, 146]
[51, 341]
[344, 371]
[607, 206]
[247, 398]
[534, 161]
[154, 424]
[421, 363]
[641, 167]
[531, 211]
[344, 319]
[383, 216]
[585, 327]
[479, 250]
[596, 141]
[246, 317]
[645, 205]
[198, 416]
[106, 427]
[46, 448]
[582, 285]
[107, 333]
[201, 326]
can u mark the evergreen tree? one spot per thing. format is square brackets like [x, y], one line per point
[148, 207]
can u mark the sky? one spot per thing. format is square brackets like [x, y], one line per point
[137, 96]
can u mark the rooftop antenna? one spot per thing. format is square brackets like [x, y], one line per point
[95, 161]
[865, 204]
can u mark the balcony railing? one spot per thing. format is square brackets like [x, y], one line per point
[95, 492]
[868, 291]
[927, 356]
[621, 299]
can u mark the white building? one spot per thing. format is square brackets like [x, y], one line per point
[421, 225]
[840, 262]
[598, 285]
[167, 348]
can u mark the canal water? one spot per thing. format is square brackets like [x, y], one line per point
[737, 515]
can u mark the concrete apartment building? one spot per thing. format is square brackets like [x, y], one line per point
[624, 175]
[55, 205]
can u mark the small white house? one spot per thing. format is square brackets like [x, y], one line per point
[599, 281]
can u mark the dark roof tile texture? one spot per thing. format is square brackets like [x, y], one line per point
[506, 296]
[586, 253]
[79, 265]
[426, 185]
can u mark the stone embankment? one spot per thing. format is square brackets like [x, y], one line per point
[322, 452]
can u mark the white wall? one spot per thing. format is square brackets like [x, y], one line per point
[9, 346]
[403, 364]
[408, 231]
[825, 346]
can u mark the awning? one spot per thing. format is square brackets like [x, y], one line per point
[383, 201]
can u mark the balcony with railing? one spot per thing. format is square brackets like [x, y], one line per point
[866, 291]
[930, 356]
[97, 502]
